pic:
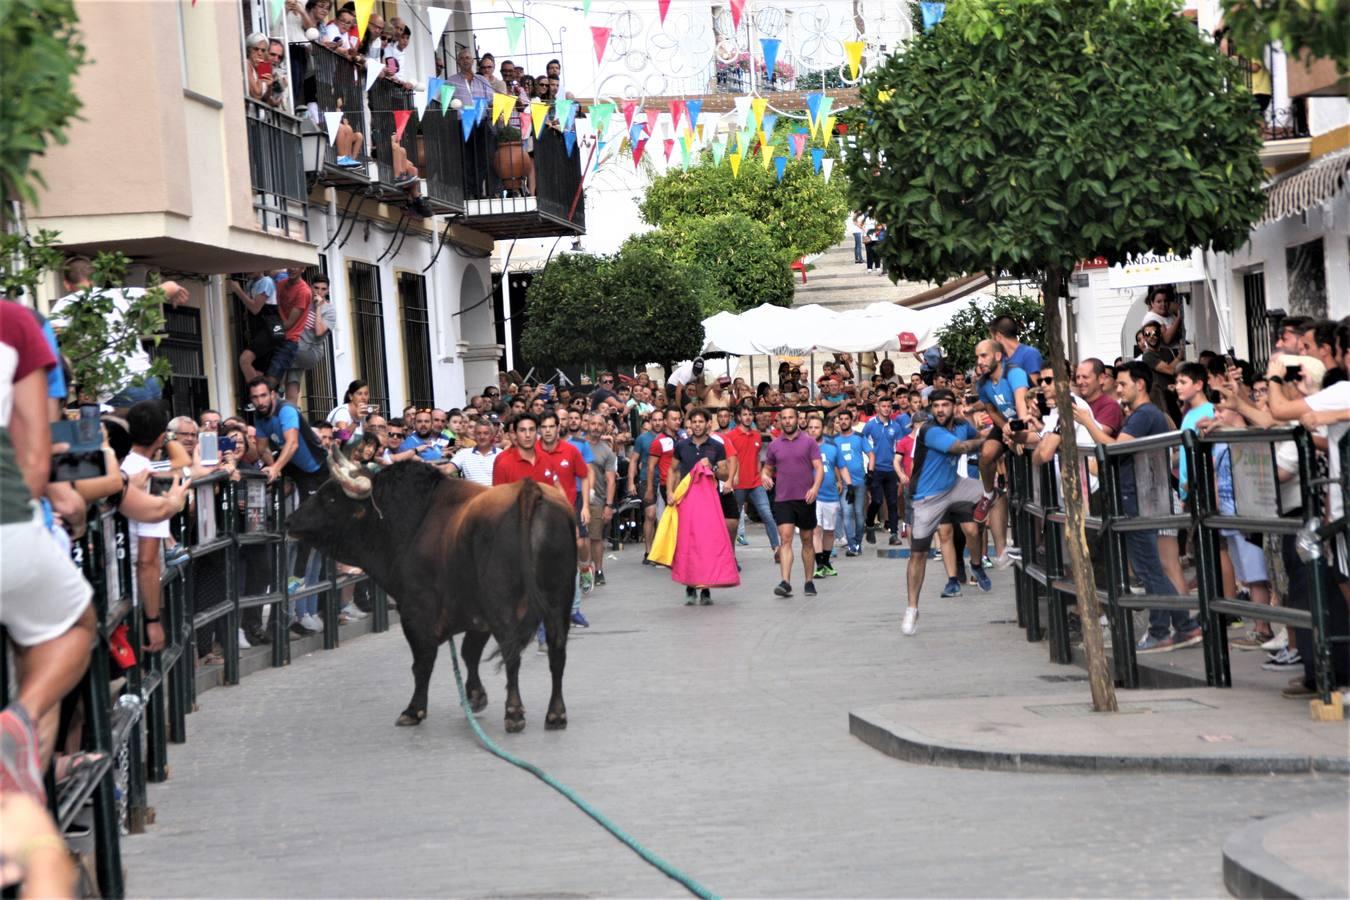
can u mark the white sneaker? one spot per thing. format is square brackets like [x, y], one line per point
[312, 622]
[243, 641]
[353, 612]
[1006, 558]
[1278, 642]
[911, 621]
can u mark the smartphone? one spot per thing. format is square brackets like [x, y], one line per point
[1043, 404]
[391, 65]
[263, 69]
[227, 444]
[1293, 373]
[84, 457]
[209, 442]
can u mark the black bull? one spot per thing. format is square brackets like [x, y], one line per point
[458, 557]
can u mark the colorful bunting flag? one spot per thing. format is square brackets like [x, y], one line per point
[735, 159]
[827, 166]
[277, 7]
[373, 69]
[676, 113]
[331, 121]
[629, 109]
[634, 134]
[502, 105]
[480, 109]
[757, 106]
[853, 51]
[570, 141]
[813, 102]
[662, 7]
[798, 144]
[538, 113]
[515, 27]
[420, 99]
[400, 122]
[599, 153]
[585, 8]
[684, 151]
[827, 130]
[566, 111]
[766, 127]
[932, 14]
[742, 110]
[653, 117]
[447, 91]
[600, 114]
[437, 19]
[669, 144]
[817, 155]
[363, 11]
[743, 141]
[466, 123]
[637, 151]
[719, 150]
[770, 48]
[766, 155]
[780, 164]
[692, 109]
[737, 7]
[825, 106]
[599, 37]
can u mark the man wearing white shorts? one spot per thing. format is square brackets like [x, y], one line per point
[44, 600]
[939, 494]
[828, 511]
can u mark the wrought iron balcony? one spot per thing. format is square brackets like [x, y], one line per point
[510, 194]
[277, 171]
[339, 86]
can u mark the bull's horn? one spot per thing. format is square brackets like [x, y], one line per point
[348, 475]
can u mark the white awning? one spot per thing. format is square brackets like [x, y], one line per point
[1306, 187]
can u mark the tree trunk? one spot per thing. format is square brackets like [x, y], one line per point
[1071, 487]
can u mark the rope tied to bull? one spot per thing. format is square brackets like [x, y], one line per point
[624, 837]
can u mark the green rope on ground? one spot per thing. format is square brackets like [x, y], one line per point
[665, 868]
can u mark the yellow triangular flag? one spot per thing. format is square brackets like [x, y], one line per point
[757, 106]
[827, 129]
[766, 151]
[735, 159]
[363, 11]
[502, 104]
[538, 113]
[853, 50]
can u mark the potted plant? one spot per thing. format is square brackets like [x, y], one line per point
[512, 164]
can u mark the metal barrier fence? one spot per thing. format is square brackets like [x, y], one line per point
[1043, 576]
[234, 528]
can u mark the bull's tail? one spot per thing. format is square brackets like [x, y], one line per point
[538, 604]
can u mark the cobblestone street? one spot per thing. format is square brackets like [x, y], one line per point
[717, 736]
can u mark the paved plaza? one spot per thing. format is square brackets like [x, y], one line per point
[718, 736]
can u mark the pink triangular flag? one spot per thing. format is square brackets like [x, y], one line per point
[653, 116]
[400, 122]
[637, 151]
[669, 144]
[600, 37]
[677, 109]
[663, 7]
[737, 7]
[798, 145]
[629, 109]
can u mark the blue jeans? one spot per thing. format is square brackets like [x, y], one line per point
[130, 394]
[760, 498]
[1142, 549]
[855, 514]
[857, 247]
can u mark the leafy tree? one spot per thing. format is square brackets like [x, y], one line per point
[37, 101]
[1025, 135]
[742, 265]
[638, 306]
[95, 337]
[971, 325]
[1320, 27]
[804, 213]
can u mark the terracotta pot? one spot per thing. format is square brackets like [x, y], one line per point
[513, 165]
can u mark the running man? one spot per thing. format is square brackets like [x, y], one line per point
[939, 494]
[793, 464]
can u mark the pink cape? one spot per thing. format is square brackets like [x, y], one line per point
[703, 554]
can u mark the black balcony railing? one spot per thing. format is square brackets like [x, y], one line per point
[545, 201]
[557, 179]
[440, 158]
[339, 85]
[277, 170]
[386, 98]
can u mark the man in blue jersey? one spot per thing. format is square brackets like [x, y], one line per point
[637, 477]
[1003, 331]
[940, 495]
[880, 433]
[853, 461]
[827, 500]
[1003, 391]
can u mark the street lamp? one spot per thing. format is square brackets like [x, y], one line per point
[314, 149]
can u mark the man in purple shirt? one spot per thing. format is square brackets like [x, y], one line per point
[793, 471]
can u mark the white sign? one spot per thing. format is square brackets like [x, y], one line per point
[1147, 269]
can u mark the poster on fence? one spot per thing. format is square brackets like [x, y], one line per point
[1152, 471]
[255, 509]
[1255, 490]
[206, 513]
[112, 565]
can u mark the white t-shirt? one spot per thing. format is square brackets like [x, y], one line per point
[331, 32]
[1335, 397]
[851, 226]
[683, 374]
[134, 464]
[1082, 437]
[341, 415]
[475, 466]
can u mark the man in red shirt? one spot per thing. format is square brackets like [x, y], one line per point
[567, 462]
[747, 441]
[660, 457]
[293, 302]
[524, 459]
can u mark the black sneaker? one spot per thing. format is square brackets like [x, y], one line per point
[690, 597]
[784, 589]
[705, 597]
[300, 631]
[599, 577]
[646, 561]
[810, 589]
[895, 540]
[871, 535]
[420, 206]
[257, 635]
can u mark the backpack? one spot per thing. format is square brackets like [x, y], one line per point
[309, 438]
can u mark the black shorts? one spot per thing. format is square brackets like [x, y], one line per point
[795, 512]
[730, 510]
[995, 434]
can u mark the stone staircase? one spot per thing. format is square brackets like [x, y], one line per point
[837, 282]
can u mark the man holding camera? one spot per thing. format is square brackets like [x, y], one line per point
[1003, 391]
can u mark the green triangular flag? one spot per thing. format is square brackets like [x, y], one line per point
[447, 91]
[514, 26]
[585, 7]
[600, 115]
[743, 141]
[719, 150]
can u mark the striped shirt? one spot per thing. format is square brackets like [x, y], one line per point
[475, 466]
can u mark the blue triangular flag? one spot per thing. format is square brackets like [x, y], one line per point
[434, 89]
[599, 152]
[634, 133]
[932, 14]
[466, 122]
[770, 48]
[767, 123]
[817, 154]
[692, 108]
[780, 163]
[570, 139]
[480, 105]
[813, 102]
